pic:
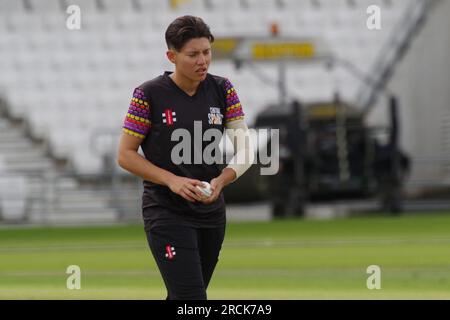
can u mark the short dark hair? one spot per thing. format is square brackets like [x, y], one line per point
[185, 28]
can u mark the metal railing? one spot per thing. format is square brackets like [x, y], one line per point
[393, 51]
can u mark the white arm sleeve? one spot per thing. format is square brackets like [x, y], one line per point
[244, 154]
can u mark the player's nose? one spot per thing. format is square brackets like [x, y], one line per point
[201, 60]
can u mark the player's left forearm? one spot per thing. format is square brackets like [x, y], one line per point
[243, 158]
[227, 176]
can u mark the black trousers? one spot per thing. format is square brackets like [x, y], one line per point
[186, 258]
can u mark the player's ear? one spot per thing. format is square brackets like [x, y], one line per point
[170, 55]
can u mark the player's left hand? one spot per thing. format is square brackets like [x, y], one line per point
[216, 187]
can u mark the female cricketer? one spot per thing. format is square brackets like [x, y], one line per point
[185, 229]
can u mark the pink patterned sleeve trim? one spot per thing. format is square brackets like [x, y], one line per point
[234, 109]
[137, 121]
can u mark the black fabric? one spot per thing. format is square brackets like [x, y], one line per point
[157, 215]
[194, 253]
[163, 94]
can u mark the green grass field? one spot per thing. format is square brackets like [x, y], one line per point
[288, 259]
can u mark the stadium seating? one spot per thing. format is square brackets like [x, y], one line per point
[69, 84]
[13, 193]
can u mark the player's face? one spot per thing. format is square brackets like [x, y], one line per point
[193, 60]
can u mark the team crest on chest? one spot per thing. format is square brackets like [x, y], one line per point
[169, 117]
[215, 116]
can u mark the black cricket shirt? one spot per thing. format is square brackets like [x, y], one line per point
[158, 108]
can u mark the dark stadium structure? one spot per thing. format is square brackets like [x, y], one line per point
[328, 152]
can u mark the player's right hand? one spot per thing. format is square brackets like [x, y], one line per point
[186, 188]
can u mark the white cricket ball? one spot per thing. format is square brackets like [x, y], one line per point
[206, 190]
